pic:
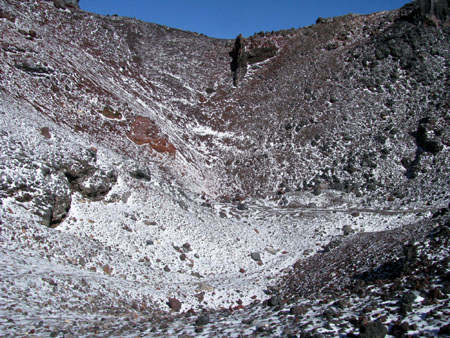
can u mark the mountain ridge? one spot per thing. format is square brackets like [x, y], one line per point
[151, 175]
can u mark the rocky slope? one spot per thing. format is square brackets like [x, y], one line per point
[159, 182]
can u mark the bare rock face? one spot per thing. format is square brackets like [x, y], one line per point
[435, 10]
[239, 62]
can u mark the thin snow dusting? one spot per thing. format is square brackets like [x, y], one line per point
[309, 200]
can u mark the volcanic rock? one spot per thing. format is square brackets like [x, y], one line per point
[256, 256]
[174, 304]
[63, 4]
[435, 10]
[373, 330]
[239, 60]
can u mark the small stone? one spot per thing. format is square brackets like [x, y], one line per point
[256, 256]
[147, 222]
[242, 206]
[347, 229]
[45, 132]
[205, 287]
[271, 250]
[274, 301]
[202, 320]
[200, 296]
[247, 321]
[298, 310]
[317, 191]
[174, 304]
[107, 269]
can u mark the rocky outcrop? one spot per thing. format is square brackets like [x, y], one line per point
[435, 10]
[239, 62]
[428, 135]
[261, 54]
[429, 140]
[54, 203]
[84, 176]
[63, 4]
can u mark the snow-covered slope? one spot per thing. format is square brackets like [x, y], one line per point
[137, 176]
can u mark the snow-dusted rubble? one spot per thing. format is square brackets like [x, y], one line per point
[133, 171]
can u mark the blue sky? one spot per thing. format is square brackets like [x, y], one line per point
[229, 18]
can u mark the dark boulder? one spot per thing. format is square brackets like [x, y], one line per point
[34, 69]
[428, 136]
[202, 320]
[348, 230]
[373, 330]
[174, 304]
[274, 301]
[242, 206]
[141, 174]
[256, 256]
[399, 329]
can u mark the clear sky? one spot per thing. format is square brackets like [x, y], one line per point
[229, 18]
